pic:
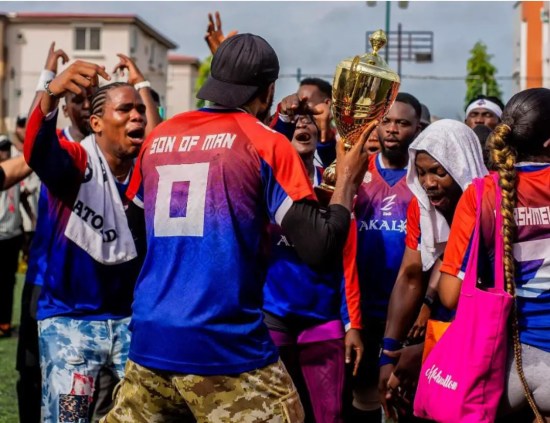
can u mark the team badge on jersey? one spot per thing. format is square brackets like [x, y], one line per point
[367, 178]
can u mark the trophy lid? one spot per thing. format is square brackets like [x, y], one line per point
[372, 63]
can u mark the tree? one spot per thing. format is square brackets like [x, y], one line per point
[481, 74]
[203, 73]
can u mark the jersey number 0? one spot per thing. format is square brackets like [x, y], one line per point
[181, 197]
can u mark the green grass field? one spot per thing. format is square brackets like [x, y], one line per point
[8, 374]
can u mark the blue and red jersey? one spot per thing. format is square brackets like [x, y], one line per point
[295, 290]
[74, 284]
[38, 254]
[531, 249]
[210, 182]
[381, 216]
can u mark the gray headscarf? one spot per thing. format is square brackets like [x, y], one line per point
[456, 147]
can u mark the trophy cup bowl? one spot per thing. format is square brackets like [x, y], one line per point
[363, 90]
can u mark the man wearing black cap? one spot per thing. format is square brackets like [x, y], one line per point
[209, 182]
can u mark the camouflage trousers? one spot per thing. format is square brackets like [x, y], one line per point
[72, 352]
[263, 395]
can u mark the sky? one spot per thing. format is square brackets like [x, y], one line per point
[315, 36]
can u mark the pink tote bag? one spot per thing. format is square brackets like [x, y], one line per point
[463, 377]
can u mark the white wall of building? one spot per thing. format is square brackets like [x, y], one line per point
[27, 46]
[517, 48]
[181, 83]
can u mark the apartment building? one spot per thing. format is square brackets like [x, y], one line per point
[26, 38]
[531, 47]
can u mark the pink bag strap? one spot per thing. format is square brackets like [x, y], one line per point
[499, 240]
[470, 277]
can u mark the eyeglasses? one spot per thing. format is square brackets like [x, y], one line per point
[303, 119]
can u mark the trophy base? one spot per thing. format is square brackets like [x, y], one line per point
[324, 194]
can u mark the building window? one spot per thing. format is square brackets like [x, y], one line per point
[87, 38]
[152, 54]
[134, 41]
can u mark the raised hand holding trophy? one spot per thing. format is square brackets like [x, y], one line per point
[363, 90]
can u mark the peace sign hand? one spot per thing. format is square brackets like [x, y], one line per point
[214, 34]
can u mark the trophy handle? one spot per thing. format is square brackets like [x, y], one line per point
[351, 85]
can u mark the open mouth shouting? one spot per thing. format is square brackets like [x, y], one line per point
[302, 136]
[136, 135]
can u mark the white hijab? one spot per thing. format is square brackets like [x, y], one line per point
[456, 147]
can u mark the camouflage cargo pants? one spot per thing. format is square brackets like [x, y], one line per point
[263, 395]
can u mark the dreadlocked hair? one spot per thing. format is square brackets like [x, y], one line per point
[521, 135]
[97, 103]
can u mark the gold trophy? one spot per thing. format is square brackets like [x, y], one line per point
[363, 90]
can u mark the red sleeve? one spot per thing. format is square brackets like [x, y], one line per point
[57, 162]
[462, 228]
[351, 278]
[412, 238]
[134, 192]
[275, 117]
[285, 163]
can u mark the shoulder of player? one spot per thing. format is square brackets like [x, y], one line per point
[262, 136]
[253, 126]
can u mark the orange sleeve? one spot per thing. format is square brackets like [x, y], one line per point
[351, 278]
[455, 257]
[412, 238]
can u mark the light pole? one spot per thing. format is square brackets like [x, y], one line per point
[401, 5]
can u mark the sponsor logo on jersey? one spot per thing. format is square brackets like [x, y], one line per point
[395, 225]
[387, 204]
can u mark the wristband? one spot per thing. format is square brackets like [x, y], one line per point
[389, 344]
[45, 76]
[429, 301]
[142, 84]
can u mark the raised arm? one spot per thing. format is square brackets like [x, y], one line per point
[60, 165]
[136, 78]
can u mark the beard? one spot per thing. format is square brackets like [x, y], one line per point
[264, 116]
[395, 154]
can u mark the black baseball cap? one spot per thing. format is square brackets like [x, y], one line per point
[242, 64]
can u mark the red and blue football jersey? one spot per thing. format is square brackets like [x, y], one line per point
[531, 249]
[209, 181]
[293, 290]
[38, 253]
[381, 216]
[73, 283]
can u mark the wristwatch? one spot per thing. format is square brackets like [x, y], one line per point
[48, 91]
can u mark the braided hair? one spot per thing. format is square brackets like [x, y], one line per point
[99, 98]
[519, 137]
